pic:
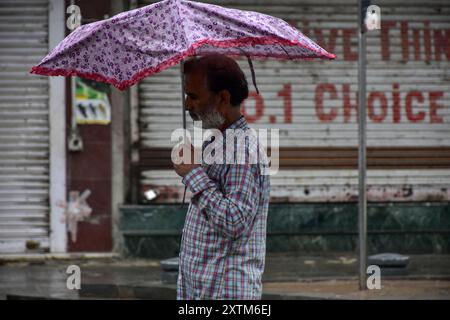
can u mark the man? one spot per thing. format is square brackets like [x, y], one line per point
[224, 237]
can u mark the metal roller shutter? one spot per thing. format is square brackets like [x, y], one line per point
[313, 103]
[24, 128]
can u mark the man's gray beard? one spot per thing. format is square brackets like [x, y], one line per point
[211, 119]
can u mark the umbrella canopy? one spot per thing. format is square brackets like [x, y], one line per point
[135, 44]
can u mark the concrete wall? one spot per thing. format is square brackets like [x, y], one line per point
[155, 230]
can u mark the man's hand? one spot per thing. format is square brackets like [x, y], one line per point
[183, 169]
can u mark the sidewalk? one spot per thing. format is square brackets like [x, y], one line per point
[287, 276]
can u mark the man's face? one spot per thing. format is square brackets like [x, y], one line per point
[201, 103]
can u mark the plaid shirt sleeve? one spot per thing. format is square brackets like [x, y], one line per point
[231, 209]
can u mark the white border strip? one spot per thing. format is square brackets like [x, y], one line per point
[58, 235]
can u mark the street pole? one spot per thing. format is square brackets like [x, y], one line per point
[362, 198]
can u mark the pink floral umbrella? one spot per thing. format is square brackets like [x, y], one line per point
[135, 44]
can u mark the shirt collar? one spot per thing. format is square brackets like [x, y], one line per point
[240, 123]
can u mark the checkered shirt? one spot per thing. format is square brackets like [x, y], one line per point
[223, 244]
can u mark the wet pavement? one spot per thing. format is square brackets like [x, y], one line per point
[287, 276]
[348, 289]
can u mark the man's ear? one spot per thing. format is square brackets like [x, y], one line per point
[225, 98]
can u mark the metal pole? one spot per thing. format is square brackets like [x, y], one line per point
[362, 198]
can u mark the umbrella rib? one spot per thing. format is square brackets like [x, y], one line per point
[182, 24]
[250, 63]
[285, 51]
[253, 73]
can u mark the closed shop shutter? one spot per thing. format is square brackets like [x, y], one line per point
[314, 105]
[24, 128]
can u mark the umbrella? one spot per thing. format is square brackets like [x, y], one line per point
[138, 43]
[135, 44]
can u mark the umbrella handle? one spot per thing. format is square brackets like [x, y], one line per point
[183, 103]
[184, 198]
